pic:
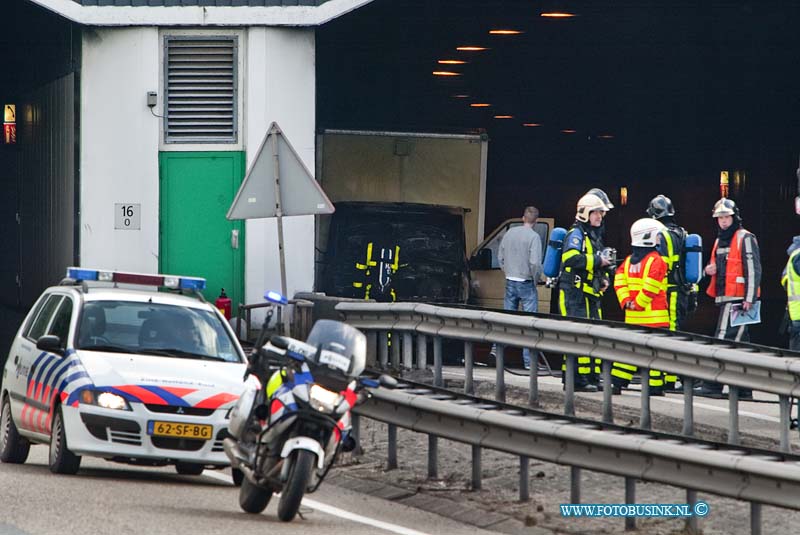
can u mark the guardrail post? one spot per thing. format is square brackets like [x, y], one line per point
[396, 337]
[574, 484]
[469, 387]
[630, 498]
[693, 522]
[533, 379]
[422, 352]
[608, 390]
[355, 432]
[476, 467]
[688, 406]
[383, 349]
[786, 410]
[437, 361]
[500, 376]
[569, 386]
[433, 454]
[733, 414]
[645, 421]
[524, 478]
[755, 518]
[408, 351]
[391, 461]
[372, 348]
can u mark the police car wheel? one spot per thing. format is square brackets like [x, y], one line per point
[61, 460]
[189, 469]
[13, 447]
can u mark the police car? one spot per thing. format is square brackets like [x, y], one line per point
[134, 374]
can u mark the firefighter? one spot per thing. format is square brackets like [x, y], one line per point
[641, 287]
[584, 278]
[791, 283]
[672, 247]
[735, 271]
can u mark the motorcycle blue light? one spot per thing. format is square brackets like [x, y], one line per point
[79, 274]
[369, 383]
[275, 297]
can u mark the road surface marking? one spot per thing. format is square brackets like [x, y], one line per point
[335, 511]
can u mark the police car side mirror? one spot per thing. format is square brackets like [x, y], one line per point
[50, 343]
[387, 381]
[281, 342]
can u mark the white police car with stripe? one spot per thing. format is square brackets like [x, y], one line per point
[130, 374]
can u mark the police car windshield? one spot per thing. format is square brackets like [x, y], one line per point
[154, 329]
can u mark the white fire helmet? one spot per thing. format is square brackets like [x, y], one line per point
[725, 206]
[588, 204]
[645, 231]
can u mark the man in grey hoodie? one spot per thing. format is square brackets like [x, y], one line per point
[520, 257]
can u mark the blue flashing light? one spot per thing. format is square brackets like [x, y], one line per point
[79, 274]
[192, 283]
[275, 297]
[369, 383]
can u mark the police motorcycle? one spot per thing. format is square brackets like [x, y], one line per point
[291, 423]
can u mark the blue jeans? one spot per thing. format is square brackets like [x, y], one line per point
[521, 292]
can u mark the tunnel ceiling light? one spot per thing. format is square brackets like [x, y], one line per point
[568, 131]
[460, 96]
[532, 125]
[471, 48]
[480, 105]
[446, 73]
[605, 136]
[503, 116]
[451, 62]
[505, 32]
[557, 15]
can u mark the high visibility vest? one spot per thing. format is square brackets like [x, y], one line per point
[734, 270]
[644, 283]
[791, 281]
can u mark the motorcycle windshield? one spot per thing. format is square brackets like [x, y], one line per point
[338, 341]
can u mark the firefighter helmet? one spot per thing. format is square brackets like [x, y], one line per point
[602, 194]
[645, 231]
[588, 204]
[660, 206]
[725, 206]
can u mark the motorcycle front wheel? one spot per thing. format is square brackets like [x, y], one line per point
[252, 498]
[292, 493]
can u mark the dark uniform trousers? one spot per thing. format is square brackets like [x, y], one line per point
[574, 302]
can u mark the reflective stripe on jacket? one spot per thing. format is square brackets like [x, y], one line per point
[645, 284]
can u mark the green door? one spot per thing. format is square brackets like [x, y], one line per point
[196, 190]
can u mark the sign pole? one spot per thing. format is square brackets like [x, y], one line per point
[279, 215]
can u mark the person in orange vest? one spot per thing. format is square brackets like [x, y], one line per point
[641, 287]
[735, 271]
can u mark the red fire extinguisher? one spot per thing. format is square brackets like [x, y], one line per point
[223, 303]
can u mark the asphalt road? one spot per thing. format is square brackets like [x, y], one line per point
[106, 498]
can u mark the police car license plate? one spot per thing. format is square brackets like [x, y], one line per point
[179, 430]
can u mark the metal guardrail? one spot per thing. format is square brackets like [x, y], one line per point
[738, 365]
[758, 476]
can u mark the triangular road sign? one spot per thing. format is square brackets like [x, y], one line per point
[300, 194]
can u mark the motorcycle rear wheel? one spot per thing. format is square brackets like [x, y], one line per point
[295, 488]
[252, 498]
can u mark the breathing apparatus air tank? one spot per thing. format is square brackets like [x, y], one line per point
[552, 257]
[693, 266]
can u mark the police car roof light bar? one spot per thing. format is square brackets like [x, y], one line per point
[121, 277]
[275, 297]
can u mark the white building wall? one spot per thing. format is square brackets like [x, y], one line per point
[119, 147]
[120, 144]
[280, 86]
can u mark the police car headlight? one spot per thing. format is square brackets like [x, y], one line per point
[106, 400]
[322, 399]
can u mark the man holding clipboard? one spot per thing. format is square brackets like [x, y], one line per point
[735, 271]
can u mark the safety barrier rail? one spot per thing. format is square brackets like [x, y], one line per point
[691, 356]
[757, 476]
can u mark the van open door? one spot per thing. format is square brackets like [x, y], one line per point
[488, 284]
